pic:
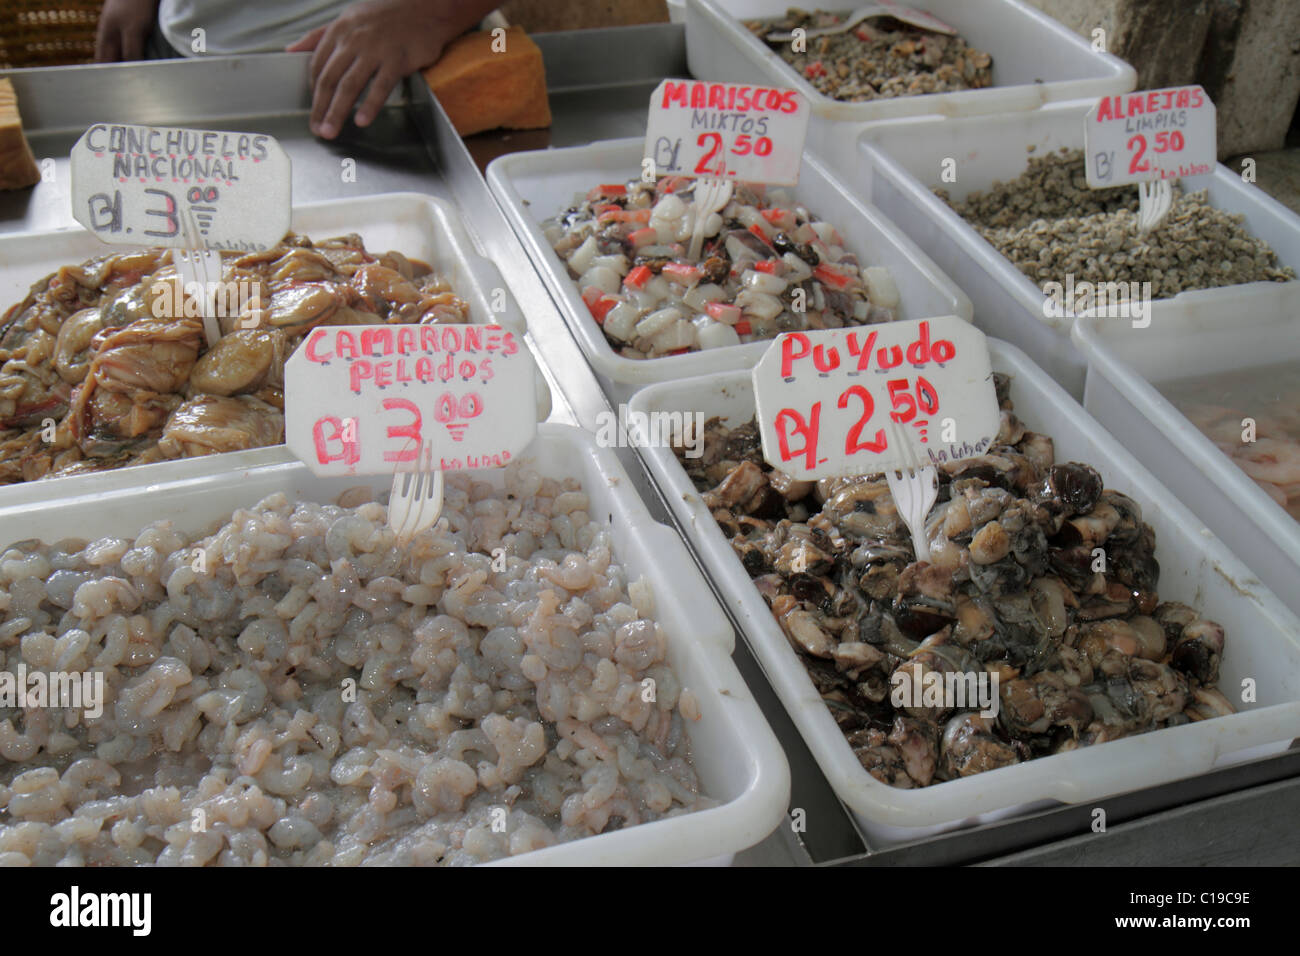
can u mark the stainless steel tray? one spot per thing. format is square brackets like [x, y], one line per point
[600, 82]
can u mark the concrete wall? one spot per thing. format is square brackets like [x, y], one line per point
[1246, 53]
[1161, 38]
[1251, 69]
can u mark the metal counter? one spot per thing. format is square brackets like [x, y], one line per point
[600, 82]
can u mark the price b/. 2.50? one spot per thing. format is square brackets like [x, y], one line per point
[1167, 141]
[908, 399]
[712, 163]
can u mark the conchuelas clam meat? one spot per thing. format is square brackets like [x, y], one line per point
[106, 364]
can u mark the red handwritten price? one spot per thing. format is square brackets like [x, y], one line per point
[948, 389]
[1157, 134]
[340, 440]
[469, 390]
[754, 134]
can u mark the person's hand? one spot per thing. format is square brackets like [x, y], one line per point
[124, 26]
[379, 42]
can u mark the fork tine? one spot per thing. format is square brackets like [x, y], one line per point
[417, 503]
[431, 504]
[711, 194]
[899, 444]
[429, 494]
[395, 498]
[200, 271]
[909, 452]
[399, 500]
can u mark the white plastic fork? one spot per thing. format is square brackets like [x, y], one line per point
[914, 489]
[415, 501]
[198, 264]
[711, 195]
[1155, 199]
[916, 18]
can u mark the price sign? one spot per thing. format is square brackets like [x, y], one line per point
[823, 396]
[360, 399]
[140, 184]
[725, 130]
[1156, 134]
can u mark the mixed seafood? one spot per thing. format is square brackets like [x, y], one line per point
[1253, 417]
[768, 266]
[880, 58]
[107, 363]
[1039, 576]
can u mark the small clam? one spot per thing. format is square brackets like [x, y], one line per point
[303, 265]
[385, 289]
[240, 362]
[301, 305]
[72, 350]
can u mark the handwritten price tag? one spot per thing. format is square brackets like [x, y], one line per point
[750, 133]
[360, 399]
[822, 397]
[138, 184]
[1155, 134]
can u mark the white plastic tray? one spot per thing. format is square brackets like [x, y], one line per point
[737, 756]
[420, 227]
[1035, 60]
[534, 186]
[1263, 637]
[1260, 329]
[900, 164]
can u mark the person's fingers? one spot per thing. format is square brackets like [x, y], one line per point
[325, 80]
[307, 42]
[326, 44]
[345, 95]
[133, 43]
[380, 87]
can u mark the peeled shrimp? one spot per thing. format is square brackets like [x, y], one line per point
[1271, 460]
[1275, 492]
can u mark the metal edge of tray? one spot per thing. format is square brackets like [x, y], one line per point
[575, 64]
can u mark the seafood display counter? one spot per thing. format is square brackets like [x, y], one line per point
[411, 148]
